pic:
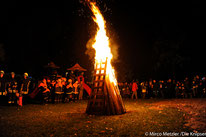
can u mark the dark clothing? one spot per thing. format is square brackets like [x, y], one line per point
[3, 97]
[68, 90]
[170, 89]
[72, 77]
[44, 97]
[187, 86]
[162, 90]
[58, 89]
[2, 86]
[52, 92]
[12, 84]
[24, 89]
[12, 90]
[155, 89]
[67, 93]
[204, 88]
[200, 89]
[25, 84]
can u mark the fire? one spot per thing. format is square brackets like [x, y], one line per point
[101, 44]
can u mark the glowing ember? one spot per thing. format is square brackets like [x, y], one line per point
[101, 44]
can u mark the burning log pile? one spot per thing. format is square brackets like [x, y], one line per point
[105, 97]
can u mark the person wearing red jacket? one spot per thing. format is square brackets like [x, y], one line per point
[134, 89]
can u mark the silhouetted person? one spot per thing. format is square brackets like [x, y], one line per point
[12, 89]
[72, 76]
[170, 89]
[3, 92]
[144, 90]
[44, 91]
[24, 91]
[69, 90]
[162, 89]
[155, 89]
[188, 91]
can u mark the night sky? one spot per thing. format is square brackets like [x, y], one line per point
[157, 40]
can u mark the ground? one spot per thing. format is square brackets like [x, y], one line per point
[149, 115]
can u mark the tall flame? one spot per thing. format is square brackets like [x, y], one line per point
[101, 44]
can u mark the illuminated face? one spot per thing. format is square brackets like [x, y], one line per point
[2, 75]
[69, 81]
[44, 80]
[12, 75]
[59, 81]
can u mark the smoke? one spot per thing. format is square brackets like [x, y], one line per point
[90, 51]
[114, 49]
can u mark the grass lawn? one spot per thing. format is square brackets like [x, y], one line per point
[70, 119]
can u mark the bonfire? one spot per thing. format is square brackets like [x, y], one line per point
[105, 97]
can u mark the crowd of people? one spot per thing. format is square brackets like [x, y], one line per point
[11, 90]
[70, 88]
[15, 91]
[187, 88]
